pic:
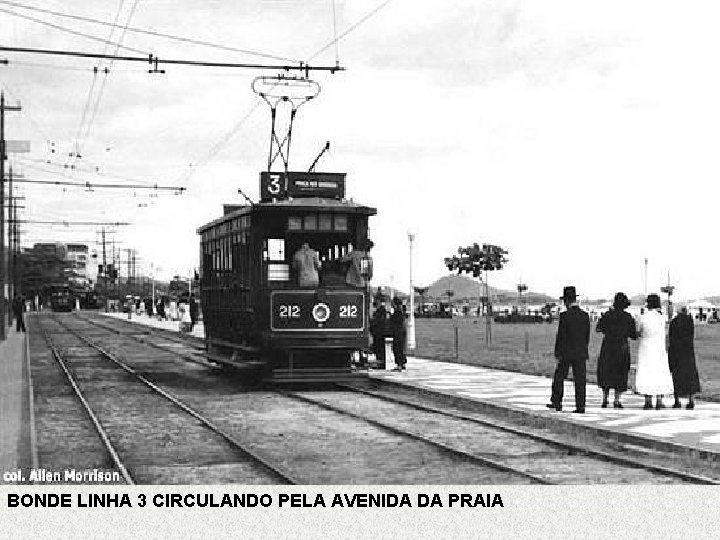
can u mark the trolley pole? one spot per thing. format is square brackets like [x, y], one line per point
[3, 265]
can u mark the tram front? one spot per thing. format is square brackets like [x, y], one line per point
[316, 271]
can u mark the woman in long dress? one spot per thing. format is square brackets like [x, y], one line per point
[614, 361]
[653, 372]
[681, 355]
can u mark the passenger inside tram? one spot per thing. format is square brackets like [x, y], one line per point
[338, 263]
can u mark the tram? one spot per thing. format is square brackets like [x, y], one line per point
[89, 300]
[255, 313]
[61, 298]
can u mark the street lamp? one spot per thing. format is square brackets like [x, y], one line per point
[411, 321]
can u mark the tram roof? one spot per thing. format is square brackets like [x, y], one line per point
[300, 203]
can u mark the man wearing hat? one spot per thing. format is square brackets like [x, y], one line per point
[571, 349]
[399, 333]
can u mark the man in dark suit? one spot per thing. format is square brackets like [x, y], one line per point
[571, 349]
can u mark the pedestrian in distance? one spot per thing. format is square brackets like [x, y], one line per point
[18, 307]
[184, 316]
[377, 330]
[571, 350]
[613, 364]
[306, 263]
[681, 358]
[193, 312]
[653, 371]
[399, 334]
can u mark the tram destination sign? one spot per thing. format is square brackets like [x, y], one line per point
[280, 185]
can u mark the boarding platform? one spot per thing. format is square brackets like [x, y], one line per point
[15, 421]
[696, 431]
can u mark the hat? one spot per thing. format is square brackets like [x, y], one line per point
[653, 301]
[621, 301]
[569, 293]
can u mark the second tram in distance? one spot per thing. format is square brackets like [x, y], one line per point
[254, 311]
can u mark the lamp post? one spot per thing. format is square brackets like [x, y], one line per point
[411, 321]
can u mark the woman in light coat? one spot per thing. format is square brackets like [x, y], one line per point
[653, 372]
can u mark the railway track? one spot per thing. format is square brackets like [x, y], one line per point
[320, 447]
[145, 437]
[327, 437]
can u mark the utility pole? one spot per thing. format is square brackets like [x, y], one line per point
[3, 157]
[11, 246]
[104, 272]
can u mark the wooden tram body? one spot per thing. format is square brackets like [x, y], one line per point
[61, 298]
[254, 312]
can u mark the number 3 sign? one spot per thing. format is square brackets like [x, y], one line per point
[272, 186]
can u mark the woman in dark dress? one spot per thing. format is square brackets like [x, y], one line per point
[614, 361]
[681, 356]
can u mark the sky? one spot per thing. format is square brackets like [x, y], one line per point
[580, 136]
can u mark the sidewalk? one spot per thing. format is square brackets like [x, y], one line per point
[698, 428]
[174, 326]
[14, 414]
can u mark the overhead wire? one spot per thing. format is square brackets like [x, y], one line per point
[86, 171]
[348, 30]
[143, 184]
[104, 80]
[220, 144]
[302, 67]
[153, 33]
[92, 84]
[65, 29]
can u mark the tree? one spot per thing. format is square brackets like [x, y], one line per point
[474, 260]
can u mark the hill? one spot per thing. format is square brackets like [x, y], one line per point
[466, 288]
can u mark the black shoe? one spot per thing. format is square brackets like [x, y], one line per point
[554, 406]
[659, 406]
[647, 406]
[618, 405]
[690, 405]
[604, 405]
[579, 411]
[677, 405]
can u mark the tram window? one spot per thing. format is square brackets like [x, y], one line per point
[325, 222]
[310, 222]
[294, 223]
[340, 222]
[275, 249]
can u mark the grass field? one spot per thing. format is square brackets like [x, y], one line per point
[436, 339]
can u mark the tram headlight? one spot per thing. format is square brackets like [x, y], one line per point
[321, 312]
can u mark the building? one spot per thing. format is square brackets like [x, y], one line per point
[73, 259]
[76, 256]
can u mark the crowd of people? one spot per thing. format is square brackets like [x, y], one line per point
[660, 371]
